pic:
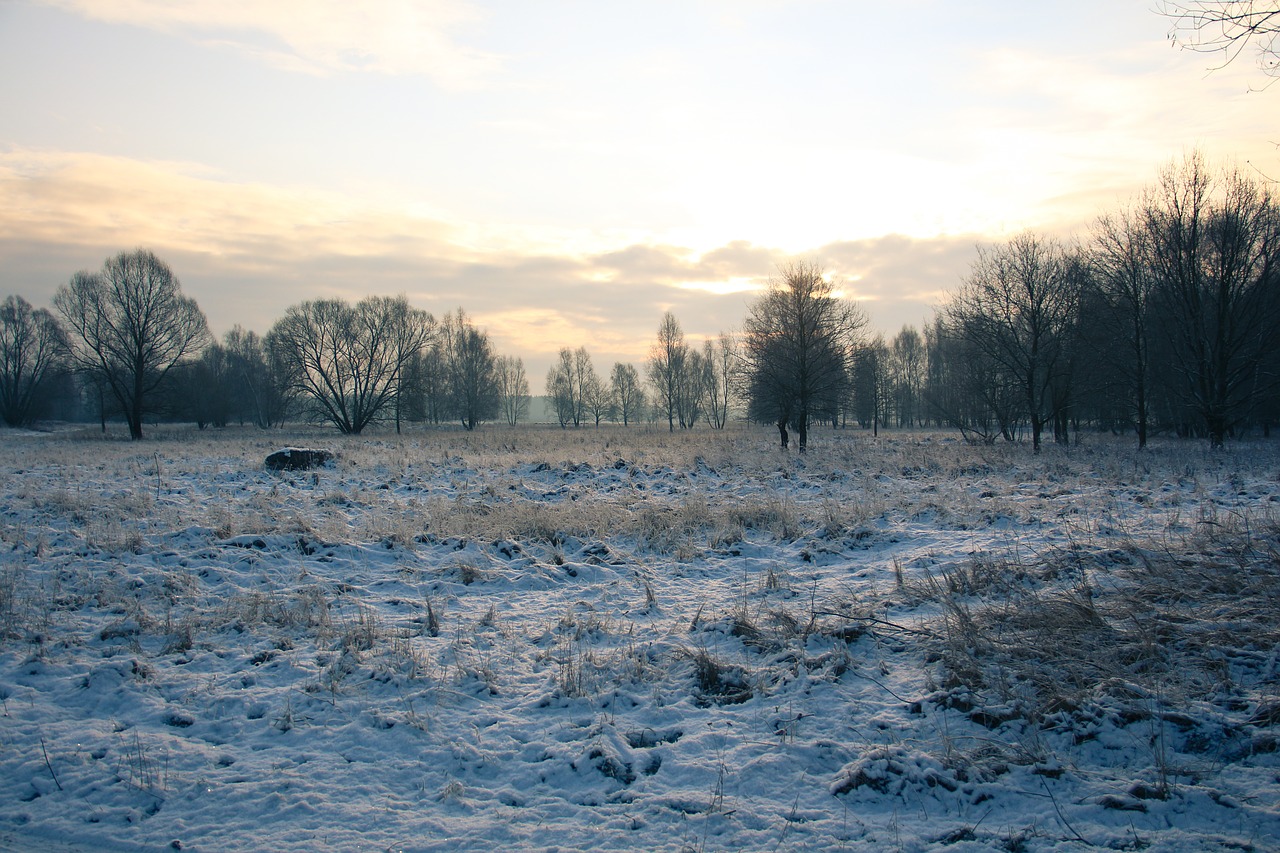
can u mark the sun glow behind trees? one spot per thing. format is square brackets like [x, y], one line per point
[1167, 319]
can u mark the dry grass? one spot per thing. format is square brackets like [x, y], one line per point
[1185, 612]
[1157, 629]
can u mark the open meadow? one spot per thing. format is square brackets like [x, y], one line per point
[624, 639]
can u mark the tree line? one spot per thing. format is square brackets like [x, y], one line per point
[131, 344]
[1164, 318]
[126, 342]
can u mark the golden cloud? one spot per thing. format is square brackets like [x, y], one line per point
[97, 200]
[248, 251]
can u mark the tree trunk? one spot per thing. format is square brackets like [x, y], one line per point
[134, 415]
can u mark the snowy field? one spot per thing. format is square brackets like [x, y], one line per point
[629, 640]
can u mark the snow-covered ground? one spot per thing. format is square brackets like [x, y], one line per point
[626, 639]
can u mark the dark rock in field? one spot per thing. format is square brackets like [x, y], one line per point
[298, 459]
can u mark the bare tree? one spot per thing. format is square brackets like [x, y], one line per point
[1228, 27]
[132, 324]
[429, 385]
[412, 332]
[719, 367]
[260, 385]
[206, 387]
[678, 374]
[470, 370]
[576, 390]
[596, 399]
[315, 340]
[1018, 306]
[966, 388]
[872, 384]
[668, 361]
[692, 393]
[567, 385]
[349, 360]
[628, 396]
[560, 388]
[1124, 285]
[798, 346]
[513, 388]
[907, 374]
[1215, 254]
[32, 347]
[769, 398]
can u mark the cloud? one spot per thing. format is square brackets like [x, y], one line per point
[248, 251]
[319, 36]
[107, 200]
[901, 280]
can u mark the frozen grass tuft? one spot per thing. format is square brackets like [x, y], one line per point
[1178, 638]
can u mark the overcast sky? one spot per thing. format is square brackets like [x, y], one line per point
[568, 171]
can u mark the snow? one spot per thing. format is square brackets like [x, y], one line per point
[627, 639]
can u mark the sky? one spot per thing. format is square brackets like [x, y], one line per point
[567, 171]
